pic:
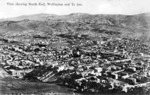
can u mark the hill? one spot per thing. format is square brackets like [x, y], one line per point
[126, 25]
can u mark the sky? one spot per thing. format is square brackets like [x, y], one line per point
[8, 8]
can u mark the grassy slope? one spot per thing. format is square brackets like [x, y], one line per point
[9, 85]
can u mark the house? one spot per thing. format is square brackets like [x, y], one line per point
[114, 76]
[131, 69]
[125, 76]
[131, 81]
[19, 73]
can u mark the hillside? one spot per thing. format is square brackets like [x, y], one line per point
[131, 25]
[3, 73]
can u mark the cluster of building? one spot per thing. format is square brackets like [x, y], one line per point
[106, 64]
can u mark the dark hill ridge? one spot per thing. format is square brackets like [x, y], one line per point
[124, 25]
[78, 16]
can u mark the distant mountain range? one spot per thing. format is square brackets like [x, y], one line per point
[127, 25]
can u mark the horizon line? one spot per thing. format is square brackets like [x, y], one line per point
[72, 13]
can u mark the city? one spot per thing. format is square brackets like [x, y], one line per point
[94, 54]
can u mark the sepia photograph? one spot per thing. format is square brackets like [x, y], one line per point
[74, 47]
